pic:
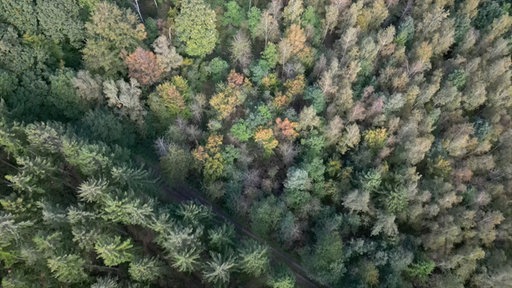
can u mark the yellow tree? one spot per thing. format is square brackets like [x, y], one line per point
[265, 137]
[211, 158]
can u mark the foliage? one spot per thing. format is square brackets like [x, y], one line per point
[124, 98]
[369, 143]
[68, 268]
[110, 31]
[421, 270]
[254, 259]
[195, 26]
[265, 137]
[143, 66]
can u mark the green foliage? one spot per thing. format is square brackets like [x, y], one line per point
[20, 14]
[234, 15]
[270, 56]
[64, 97]
[421, 270]
[60, 21]
[396, 200]
[93, 191]
[145, 269]
[282, 278]
[151, 26]
[186, 260]
[317, 98]
[110, 31]
[253, 19]
[68, 268]
[371, 181]
[221, 238]
[113, 250]
[265, 215]
[193, 214]
[127, 211]
[195, 27]
[326, 258]
[241, 131]
[29, 98]
[489, 11]
[458, 79]
[103, 125]
[254, 259]
[218, 69]
[218, 270]
[381, 140]
[405, 32]
[176, 163]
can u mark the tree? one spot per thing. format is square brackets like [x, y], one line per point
[287, 128]
[266, 214]
[166, 54]
[21, 14]
[195, 27]
[60, 21]
[103, 125]
[88, 87]
[124, 98]
[218, 270]
[326, 258]
[241, 49]
[293, 11]
[218, 69]
[265, 137]
[64, 97]
[176, 163]
[234, 14]
[145, 269]
[254, 259]
[268, 27]
[226, 101]
[211, 157]
[144, 67]
[68, 268]
[109, 32]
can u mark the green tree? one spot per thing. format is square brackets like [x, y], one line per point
[64, 97]
[195, 27]
[68, 268]
[20, 14]
[60, 21]
[326, 258]
[218, 270]
[145, 269]
[234, 14]
[113, 250]
[254, 259]
[110, 31]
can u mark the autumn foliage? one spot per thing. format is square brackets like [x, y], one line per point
[287, 128]
[143, 66]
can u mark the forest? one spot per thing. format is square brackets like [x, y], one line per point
[255, 143]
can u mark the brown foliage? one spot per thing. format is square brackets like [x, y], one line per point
[143, 66]
[287, 128]
[235, 79]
